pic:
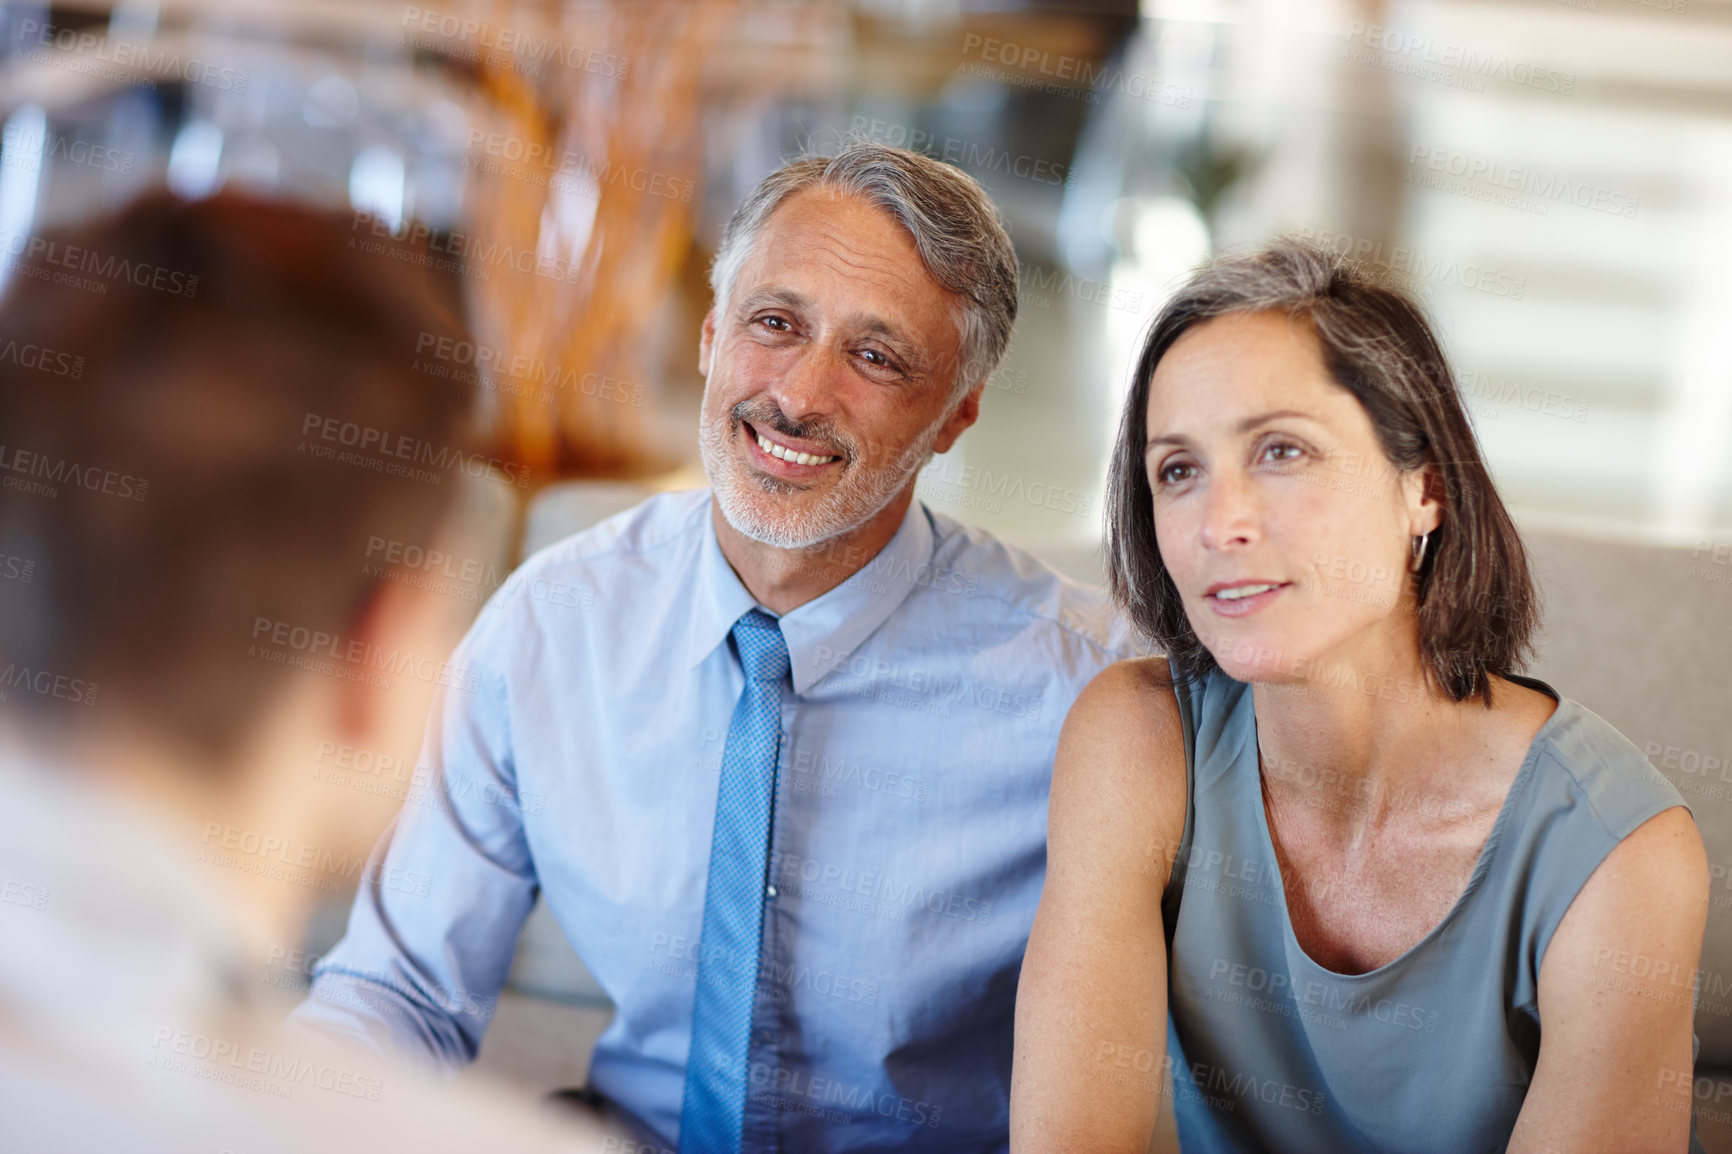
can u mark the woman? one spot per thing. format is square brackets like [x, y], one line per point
[1379, 880]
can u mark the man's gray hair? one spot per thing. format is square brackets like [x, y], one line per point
[956, 230]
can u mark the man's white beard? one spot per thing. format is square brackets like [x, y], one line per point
[749, 500]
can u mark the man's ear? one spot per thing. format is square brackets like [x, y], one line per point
[707, 344]
[966, 413]
[371, 622]
[389, 618]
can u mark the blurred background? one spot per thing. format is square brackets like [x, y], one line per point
[1554, 177]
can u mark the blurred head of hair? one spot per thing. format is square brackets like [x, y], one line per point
[174, 422]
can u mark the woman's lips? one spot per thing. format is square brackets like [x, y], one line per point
[1235, 605]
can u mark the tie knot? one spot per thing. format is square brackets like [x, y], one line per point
[763, 653]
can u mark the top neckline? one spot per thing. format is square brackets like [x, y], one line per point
[1481, 866]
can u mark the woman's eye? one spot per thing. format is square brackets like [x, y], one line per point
[1282, 451]
[1176, 474]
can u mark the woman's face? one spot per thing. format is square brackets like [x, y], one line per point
[1283, 525]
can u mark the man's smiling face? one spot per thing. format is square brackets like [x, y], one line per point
[828, 373]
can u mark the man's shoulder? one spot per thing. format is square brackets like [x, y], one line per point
[636, 553]
[653, 529]
[1003, 578]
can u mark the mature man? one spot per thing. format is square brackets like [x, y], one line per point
[168, 547]
[781, 772]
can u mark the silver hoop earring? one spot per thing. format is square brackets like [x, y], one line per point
[1419, 543]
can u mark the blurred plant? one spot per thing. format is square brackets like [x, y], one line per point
[602, 107]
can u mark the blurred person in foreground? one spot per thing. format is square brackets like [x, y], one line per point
[1333, 863]
[775, 752]
[161, 832]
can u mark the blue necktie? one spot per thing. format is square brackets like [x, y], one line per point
[713, 1115]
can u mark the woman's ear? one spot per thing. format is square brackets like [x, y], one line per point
[1423, 492]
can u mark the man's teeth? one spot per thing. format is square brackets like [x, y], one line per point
[1239, 591]
[776, 450]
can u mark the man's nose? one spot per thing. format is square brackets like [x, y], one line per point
[810, 386]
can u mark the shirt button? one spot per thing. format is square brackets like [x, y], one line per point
[771, 891]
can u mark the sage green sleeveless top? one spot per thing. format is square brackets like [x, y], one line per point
[1432, 1052]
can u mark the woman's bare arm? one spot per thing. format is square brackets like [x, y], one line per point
[1091, 1007]
[1614, 1072]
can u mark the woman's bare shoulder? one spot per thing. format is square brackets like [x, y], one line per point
[1121, 757]
[1140, 681]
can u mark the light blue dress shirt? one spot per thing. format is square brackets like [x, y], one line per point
[581, 757]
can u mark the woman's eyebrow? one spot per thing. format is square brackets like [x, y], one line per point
[1244, 426]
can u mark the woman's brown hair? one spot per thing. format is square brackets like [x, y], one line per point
[1477, 608]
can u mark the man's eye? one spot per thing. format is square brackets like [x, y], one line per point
[779, 324]
[882, 363]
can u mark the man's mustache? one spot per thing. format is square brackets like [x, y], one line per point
[769, 417]
[766, 415]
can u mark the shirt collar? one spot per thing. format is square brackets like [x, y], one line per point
[720, 599]
[826, 629]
